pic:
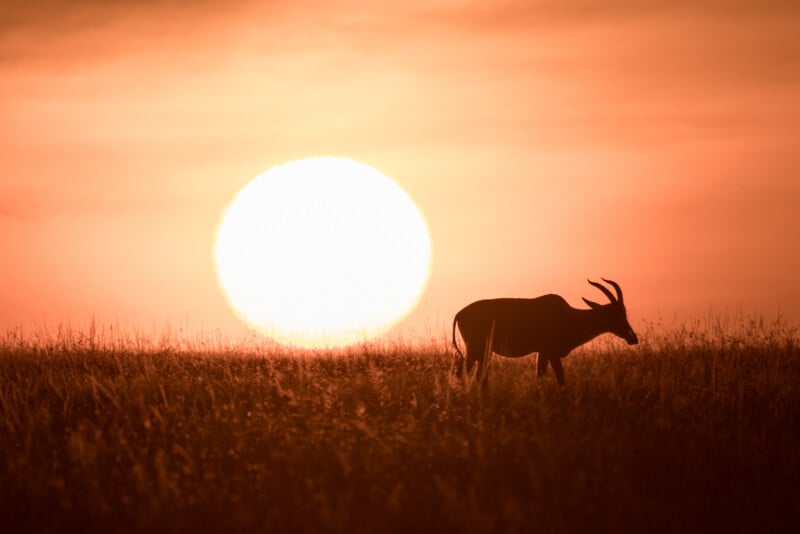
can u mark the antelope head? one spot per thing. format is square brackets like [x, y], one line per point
[613, 313]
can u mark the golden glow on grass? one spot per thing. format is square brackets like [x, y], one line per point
[322, 252]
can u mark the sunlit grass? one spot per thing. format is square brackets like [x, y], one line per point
[697, 428]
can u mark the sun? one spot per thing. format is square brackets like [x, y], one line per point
[322, 252]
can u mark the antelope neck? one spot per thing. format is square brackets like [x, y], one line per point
[590, 323]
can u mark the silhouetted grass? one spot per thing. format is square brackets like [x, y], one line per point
[695, 430]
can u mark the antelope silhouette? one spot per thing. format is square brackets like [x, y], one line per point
[515, 327]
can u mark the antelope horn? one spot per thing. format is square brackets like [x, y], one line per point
[615, 286]
[602, 288]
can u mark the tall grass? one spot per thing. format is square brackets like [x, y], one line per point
[696, 429]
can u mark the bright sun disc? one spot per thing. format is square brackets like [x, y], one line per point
[322, 252]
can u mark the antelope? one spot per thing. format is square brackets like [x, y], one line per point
[516, 327]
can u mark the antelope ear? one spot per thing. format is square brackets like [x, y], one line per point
[592, 305]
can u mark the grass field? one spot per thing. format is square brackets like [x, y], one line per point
[694, 430]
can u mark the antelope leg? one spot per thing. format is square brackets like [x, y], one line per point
[556, 363]
[541, 365]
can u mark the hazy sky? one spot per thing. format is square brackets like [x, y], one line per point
[654, 143]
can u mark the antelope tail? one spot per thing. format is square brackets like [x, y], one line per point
[455, 320]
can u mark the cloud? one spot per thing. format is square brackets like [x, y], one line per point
[53, 32]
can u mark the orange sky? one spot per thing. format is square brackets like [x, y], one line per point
[655, 143]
